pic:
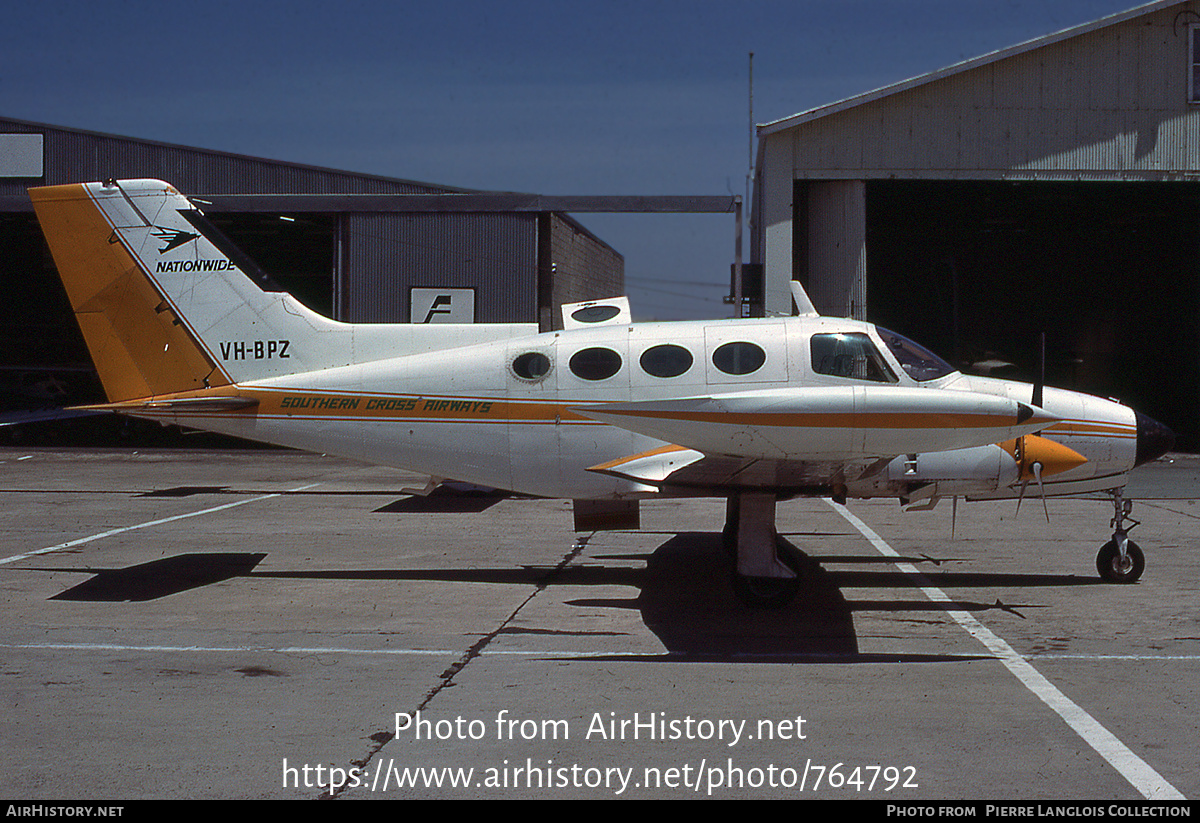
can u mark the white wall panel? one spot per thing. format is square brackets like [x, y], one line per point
[1109, 103]
[21, 155]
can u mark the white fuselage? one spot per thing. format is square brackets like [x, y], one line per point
[466, 414]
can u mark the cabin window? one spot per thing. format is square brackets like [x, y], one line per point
[850, 355]
[667, 360]
[595, 314]
[917, 361]
[739, 358]
[595, 363]
[532, 365]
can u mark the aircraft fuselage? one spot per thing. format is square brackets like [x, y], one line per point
[482, 414]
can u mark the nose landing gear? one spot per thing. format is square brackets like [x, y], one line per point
[1121, 560]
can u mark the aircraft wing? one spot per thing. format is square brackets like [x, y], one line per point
[819, 424]
[685, 468]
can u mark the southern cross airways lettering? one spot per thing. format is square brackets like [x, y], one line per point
[388, 404]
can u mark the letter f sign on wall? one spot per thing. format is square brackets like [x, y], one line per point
[441, 305]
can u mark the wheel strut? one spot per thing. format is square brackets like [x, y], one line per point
[1121, 560]
[761, 578]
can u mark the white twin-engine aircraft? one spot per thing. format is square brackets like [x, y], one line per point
[184, 329]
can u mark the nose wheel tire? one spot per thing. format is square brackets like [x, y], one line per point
[1117, 569]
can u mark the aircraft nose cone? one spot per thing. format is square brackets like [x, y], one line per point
[1153, 439]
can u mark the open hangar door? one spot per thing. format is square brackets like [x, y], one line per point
[298, 252]
[977, 270]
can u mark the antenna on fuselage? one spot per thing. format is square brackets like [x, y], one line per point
[1039, 384]
[801, 300]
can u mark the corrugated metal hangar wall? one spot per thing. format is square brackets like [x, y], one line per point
[1052, 186]
[334, 239]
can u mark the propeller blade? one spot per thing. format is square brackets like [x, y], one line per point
[1037, 473]
[1040, 384]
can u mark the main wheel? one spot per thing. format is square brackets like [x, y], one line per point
[1115, 570]
[765, 592]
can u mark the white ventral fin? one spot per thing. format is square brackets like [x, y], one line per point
[610, 311]
[652, 467]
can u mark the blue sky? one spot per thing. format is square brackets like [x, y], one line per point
[611, 97]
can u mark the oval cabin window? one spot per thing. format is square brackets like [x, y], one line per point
[595, 314]
[595, 363]
[667, 360]
[739, 358]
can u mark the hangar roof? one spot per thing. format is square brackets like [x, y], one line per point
[239, 182]
[193, 169]
[886, 91]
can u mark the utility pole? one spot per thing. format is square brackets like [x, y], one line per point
[740, 205]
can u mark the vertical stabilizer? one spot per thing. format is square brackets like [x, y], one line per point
[138, 343]
[168, 305]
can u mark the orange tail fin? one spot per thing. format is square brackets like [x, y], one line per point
[139, 347]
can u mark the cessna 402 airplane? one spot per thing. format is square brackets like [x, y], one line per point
[184, 329]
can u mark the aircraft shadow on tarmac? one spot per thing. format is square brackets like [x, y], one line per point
[686, 599]
[159, 578]
[684, 596]
[443, 502]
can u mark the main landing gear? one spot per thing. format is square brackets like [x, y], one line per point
[763, 579]
[1121, 560]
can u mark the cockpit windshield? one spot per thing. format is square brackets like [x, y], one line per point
[849, 354]
[919, 362]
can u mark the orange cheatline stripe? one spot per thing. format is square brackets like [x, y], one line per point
[324, 404]
[348, 406]
[1085, 427]
[829, 420]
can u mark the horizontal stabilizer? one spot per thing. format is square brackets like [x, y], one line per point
[825, 423]
[177, 404]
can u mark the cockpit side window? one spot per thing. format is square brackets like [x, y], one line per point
[850, 355]
[919, 362]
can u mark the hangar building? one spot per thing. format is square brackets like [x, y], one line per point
[354, 247]
[1051, 186]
